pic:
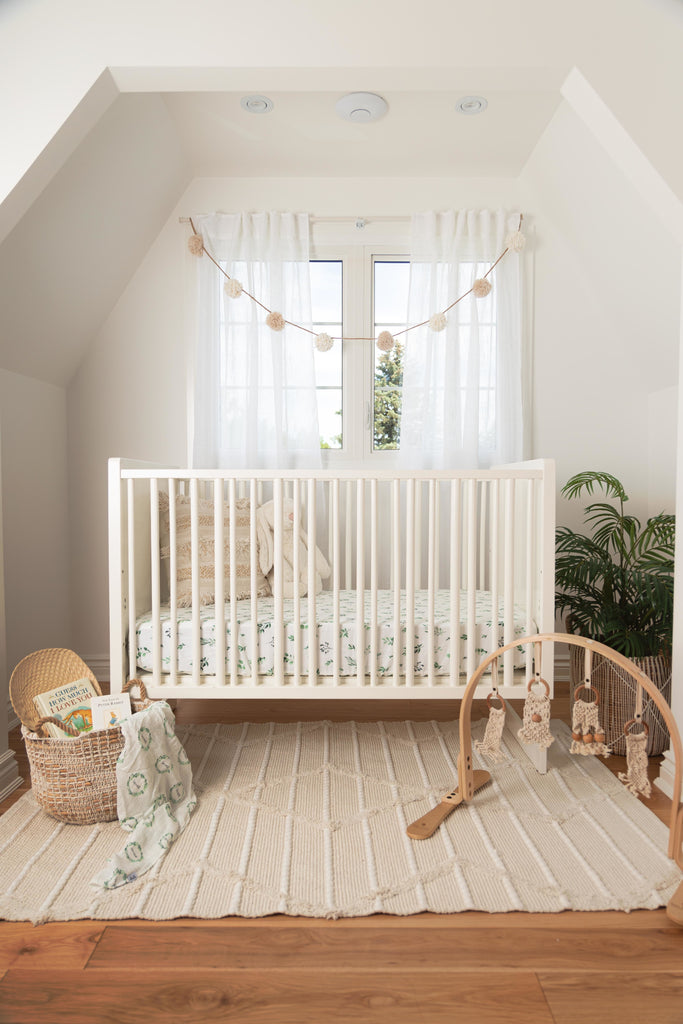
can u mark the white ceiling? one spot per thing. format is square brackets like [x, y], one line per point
[421, 134]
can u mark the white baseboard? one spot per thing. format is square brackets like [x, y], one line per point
[665, 779]
[10, 779]
[99, 663]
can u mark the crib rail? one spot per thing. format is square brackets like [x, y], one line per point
[440, 538]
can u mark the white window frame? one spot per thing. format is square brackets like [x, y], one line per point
[355, 249]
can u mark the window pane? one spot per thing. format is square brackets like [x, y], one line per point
[330, 417]
[391, 279]
[326, 300]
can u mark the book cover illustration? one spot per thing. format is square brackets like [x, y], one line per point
[110, 710]
[70, 703]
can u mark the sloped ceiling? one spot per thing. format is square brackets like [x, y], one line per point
[64, 265]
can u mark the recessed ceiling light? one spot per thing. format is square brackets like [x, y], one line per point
[471, 105]
[256, 104]
[361, 107]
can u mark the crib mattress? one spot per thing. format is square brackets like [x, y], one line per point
[387, 647]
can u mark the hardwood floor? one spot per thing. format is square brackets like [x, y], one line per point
[472, 968]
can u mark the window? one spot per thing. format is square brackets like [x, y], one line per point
[358, 291]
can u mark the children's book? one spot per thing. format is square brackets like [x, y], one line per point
[70, 703]
[110, 710]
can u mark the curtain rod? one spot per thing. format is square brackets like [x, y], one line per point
[358, 221]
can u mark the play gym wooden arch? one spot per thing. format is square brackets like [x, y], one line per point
[470, 780]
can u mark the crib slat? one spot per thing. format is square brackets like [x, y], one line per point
[373, 583]
[483, 547]
[455, 528]
[417, 543]
[360, 582]
[530, 514]
[278, 655]
[471, 576]
[509, 580]
[410, 583]
[336, 632]
[234, 625]
[219, 579]
[396, 574]
[155, 579]
[431, 573]
[493, 562]
[196, 624]
[296, 618]
[312, 623]
[173, 580]
[132, 613]
[253, 565]
[348, 545]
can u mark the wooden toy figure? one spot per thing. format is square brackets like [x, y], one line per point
[588, 736]
[635, 778]
[490, 745]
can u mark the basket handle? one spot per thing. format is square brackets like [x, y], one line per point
[68, 729]
[135, 682]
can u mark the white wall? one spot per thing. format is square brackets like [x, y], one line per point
[607, 301]
[34, 513]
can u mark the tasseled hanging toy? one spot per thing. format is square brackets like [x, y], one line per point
[536, 714]
[490, 745]
[635, 777]
[588, 736]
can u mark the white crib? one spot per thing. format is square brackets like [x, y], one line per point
[429, 573]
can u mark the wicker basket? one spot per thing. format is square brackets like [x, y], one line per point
[74, 780]
[617, 690]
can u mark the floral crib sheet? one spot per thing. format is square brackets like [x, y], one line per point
[387, 647]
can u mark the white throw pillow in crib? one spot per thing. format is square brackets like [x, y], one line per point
[205, 512]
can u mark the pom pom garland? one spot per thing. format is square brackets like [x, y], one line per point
[323, 342]
[516, 241]
[195, 244]
[385, 342]
[233, 288]
[275, 321]
[437, 322]
[481, 288]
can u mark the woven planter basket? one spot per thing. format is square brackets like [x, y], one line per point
[618, 694]
[74, 780]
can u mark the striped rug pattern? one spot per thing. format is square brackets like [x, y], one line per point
[309, 819]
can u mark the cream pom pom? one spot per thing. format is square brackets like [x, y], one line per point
[516, 241]
[275, 321]
[195, 244]
[323, 342]
[233, 288]
[437, 322]
[481, 288]
[385, 342]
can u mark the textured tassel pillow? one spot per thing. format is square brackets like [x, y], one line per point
[207, 586]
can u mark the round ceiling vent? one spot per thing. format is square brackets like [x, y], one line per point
[471, 105]
[361, 107]
[256, 104]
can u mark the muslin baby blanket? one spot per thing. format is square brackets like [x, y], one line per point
[154, 794]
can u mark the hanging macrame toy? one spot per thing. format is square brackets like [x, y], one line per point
[588, 736]
[635, 777]
[490, 745]
[536, 713]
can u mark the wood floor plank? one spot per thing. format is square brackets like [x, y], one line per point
[358, 948]
[67, 945]
[615, 997]
[276, 997]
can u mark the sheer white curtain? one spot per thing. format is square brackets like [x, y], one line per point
[462, 385]
[254, 388]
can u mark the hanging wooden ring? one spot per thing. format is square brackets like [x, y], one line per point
[634, 721]
[494, 695]
[587, 686]
[539, 680]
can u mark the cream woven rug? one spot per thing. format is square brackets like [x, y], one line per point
[310, 820]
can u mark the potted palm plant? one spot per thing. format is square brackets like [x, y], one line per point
[615, 583]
